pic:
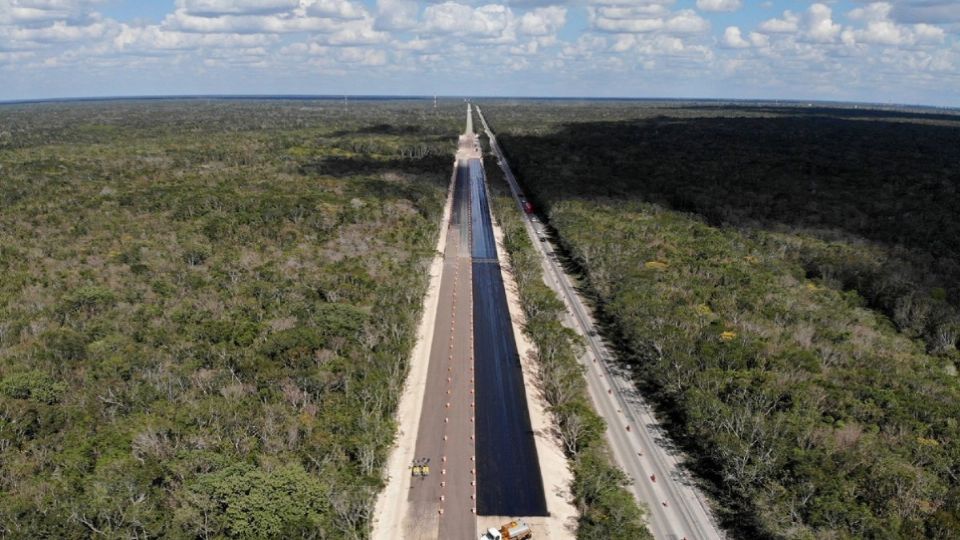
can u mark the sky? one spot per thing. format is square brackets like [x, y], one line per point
[895, 51]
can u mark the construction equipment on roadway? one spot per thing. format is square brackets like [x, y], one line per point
[515, 530]
[420, 467]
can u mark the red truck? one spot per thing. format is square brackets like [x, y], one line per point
[527, 206]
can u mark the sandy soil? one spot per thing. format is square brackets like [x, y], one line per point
[391, 505]
[557, 478]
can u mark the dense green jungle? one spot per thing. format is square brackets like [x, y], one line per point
[207, 306]
[206, 311]
[785, 282]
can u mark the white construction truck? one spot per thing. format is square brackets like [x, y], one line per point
[515, 530]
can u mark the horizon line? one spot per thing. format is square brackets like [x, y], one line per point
[294, 97]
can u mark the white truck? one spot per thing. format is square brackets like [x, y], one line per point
[515, 530]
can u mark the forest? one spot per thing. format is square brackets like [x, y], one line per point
[206, 311]
[785, 282]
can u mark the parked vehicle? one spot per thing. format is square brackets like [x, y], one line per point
[515, 530]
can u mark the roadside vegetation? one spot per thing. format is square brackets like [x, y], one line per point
[206, 311]
[607, 510]
[785, 281]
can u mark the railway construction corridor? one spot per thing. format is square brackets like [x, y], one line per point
[480, 447]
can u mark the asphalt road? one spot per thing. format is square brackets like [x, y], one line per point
[677, 508]
[483, 245]
[509, 482]
[476, 436]
[469, 129]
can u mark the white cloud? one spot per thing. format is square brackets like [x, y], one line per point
[396, 14]
[543, 21]
[15, 56]
[38, 11]
[416, 44]
[605, 24]
[58, 32]
[335, 9]
[686, 22]
[302, 49]
[362, 56]
[489, 21]
[719, 5]
[927, 33]
[274, 24]
[759, 40]
[642, 11]
[789, 24]
[255, 16]
[585, 46]
[815, 25]
[877, 11]
[147, 39]
[184, 21]
[356, 33]
[820, 25]
[733, 39]
[645, 17]
[881, 29]
[679, 51]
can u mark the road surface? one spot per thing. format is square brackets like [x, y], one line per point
[676, 508]
[441, 504]
[479, 448]
[509, 482]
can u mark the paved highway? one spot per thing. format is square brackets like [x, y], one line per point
[479, 447]
[441, 504]
[508, 471]
[677, 509]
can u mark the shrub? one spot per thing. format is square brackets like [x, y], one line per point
[248, 502]
[33, 385]
[195, 254]
[64, 345]
[88, 299]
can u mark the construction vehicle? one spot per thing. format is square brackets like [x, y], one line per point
[515, 530]
[420, 467]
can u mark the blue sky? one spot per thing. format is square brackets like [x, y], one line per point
[897, 51]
